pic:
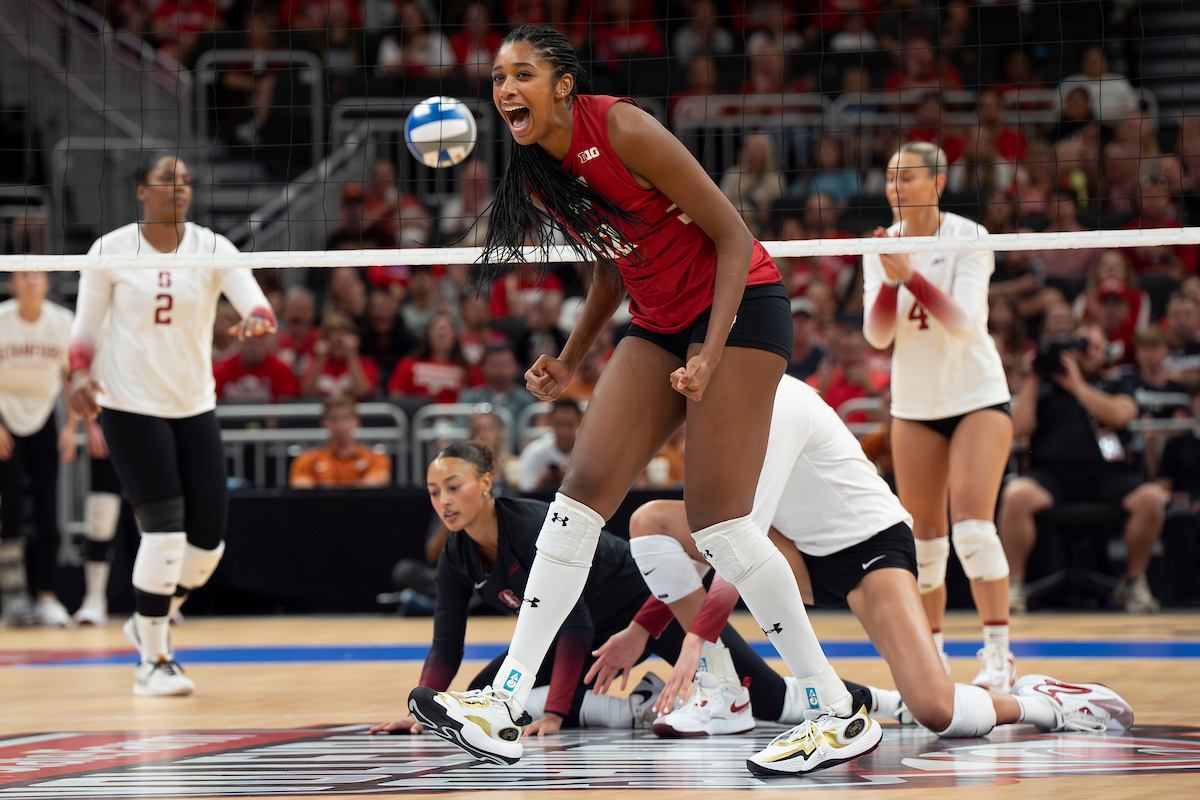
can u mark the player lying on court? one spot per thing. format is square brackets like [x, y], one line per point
[491, 548]
[848, 541]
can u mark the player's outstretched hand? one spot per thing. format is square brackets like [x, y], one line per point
[682, 675]
[81, 394]
[548, 378]
[399, 726]
[547, 725]
[616, 657]
[255, 325]
[692, 379]
[895, 265]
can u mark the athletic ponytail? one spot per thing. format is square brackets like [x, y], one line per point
[583, 215]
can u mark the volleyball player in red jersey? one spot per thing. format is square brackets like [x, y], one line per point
[710, 338]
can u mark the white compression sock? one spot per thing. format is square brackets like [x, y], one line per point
[744, 556]
[565, 548]
[1036, 711]
[887, 702]
[95, 579]
[153, 634]
[604, 711]
[535, 704]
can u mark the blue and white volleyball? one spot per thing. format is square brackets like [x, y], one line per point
[440, 132]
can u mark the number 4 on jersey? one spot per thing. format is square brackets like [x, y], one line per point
[918, 313]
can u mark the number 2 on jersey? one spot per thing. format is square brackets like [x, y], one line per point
[918, 313]
[163, 302]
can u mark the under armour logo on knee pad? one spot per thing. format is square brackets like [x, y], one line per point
[708, 554]
[557, 518]
[533, 602]
[776, 628]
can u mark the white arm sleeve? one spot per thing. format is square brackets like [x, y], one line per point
[878, 336]
[91, 305]
[972, 277]
[239, 284]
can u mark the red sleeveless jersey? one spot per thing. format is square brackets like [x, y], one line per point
[671, 280]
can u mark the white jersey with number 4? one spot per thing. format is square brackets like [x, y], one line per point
[936, 374]
[33, 356]
[817, 487]
[156, 357]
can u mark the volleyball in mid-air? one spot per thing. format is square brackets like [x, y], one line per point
[440, 132]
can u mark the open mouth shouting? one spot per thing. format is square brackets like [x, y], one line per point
[517, 117]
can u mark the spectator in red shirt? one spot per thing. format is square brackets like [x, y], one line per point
[1114, 275]
[337, 368]
[296, 342]
[476, 42]
[307, 15]
[255, 375]
[1111, 310]
[177, 24]
[1158, 211]
[513, 292]
[381, 199]
[851, 377]
[929, 125]
[769, 71]
[701, 82]
[620, 37]
[477, 333]
[437, 368]
[921, 68]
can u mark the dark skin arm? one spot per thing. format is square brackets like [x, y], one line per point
[658, 160]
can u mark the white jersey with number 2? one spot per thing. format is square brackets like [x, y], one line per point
[936, 374]
[156, 353]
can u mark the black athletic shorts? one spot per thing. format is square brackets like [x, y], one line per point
[763, 322]
[1107, 483]
[835, 576]
[947, 426]
[104, 476]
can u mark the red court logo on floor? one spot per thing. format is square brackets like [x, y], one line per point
[346, 761]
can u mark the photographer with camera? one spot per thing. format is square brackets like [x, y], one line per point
[1073, 417]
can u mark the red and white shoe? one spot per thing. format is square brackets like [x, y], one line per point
[714, 708]
[999, 671]
[1082, 707]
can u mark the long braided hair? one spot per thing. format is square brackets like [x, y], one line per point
[581, 213]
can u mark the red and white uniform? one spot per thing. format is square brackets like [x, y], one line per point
[157, 353]
[945, 362]
[32, 358]
[671, 282]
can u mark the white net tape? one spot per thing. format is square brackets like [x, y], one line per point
[1006, 242]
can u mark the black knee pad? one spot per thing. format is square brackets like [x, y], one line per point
[161, 516]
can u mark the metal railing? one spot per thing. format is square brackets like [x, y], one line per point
[711, 126]
[269, 449]
[441, 423]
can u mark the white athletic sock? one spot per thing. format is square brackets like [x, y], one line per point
[535, 704]
[1036, 711]
[552, 590]
[995, 634]
[605, 711]
[716, 660]
[886, 702]
[95, 578]
[939, 641]
[770, 592]
[152, 631]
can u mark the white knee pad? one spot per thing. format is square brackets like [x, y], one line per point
[570, 533]
[670, 572]
[974, 714]
[735, 548]
[932, 555]
[102, 510]
[979, 550]
[199, 565]
[159, 562]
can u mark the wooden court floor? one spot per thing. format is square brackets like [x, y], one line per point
[283, 703]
